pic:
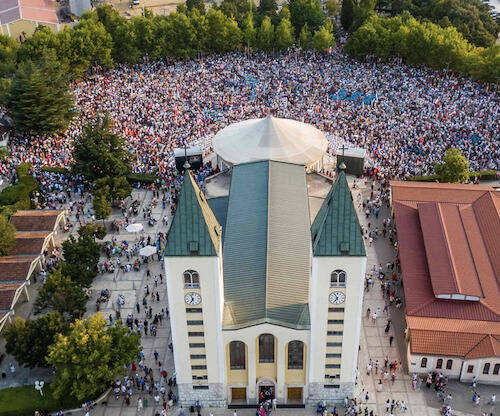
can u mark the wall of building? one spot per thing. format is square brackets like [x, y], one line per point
[328, 381]
[459, 369]
[209, 371]
[267, 373]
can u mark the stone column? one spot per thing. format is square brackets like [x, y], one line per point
[280, 371]
[252, 381]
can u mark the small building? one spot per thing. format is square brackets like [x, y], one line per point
[449, 248]
[20, 18]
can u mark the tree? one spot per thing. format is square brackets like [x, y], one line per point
[196, 4]
[144, 30]
[453, 168]
[101, 203]
[306, 11]
[322, 39]
[7, 236]
[249, 31]
[267, 8]
[43, 42]
[8, 55]
[304, 37]
[61, 294]
[99, 152]
[284, 35]
[332, 7]
[223, 32]
[347, 14]
[29, 341]
[90, 356]
[362, 11]
[39, 99]
[81, 255]
[265, 35]
[118, 187]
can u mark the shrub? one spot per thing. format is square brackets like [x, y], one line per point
[141, 178]
[56, 169]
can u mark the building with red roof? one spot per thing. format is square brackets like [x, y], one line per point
[20, 18]
[449, 249]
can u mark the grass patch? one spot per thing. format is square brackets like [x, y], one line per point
[23, 401]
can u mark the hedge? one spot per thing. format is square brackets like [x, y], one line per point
[17, 197]
[141, 178]
[485, 175]
[55, 169]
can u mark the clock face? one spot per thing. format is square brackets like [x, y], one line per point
[192, 298]
[337, 298]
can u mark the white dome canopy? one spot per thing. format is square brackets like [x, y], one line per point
[270, 138]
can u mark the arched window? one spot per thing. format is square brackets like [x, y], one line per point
[449, 364]
[191, 279]
[423, 363]
[486, 368]
[295, 355]
[337, 278]
[439, 363]
[237, 355]
[266, 348]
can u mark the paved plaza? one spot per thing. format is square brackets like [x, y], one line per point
[374, 342]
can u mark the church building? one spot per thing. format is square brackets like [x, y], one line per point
[265, 279]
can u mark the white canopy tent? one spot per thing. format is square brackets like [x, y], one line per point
[270, 138]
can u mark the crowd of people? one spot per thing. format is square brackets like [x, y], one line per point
[417, 113]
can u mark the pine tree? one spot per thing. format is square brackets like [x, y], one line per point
[347, 14]
[265, 35]
[284, 35]
[39, 99]
[304, 37]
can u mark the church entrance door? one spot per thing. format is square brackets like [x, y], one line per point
[266, 393]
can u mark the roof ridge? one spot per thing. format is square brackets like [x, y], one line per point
[420, 307]
[486, 336]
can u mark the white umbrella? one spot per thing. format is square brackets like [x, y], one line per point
[147, 251]
[135, 228]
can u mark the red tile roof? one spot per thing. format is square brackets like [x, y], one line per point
[35, 220]
[15, 267]
[7, 294]
[449, 244]
[29, 243]
[37, 10]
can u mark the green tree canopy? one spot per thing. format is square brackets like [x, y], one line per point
[196, 4]
[7, 236]
[29, 341]
[284, 35]
[249, 31]
[453, 168]
[332, 7]
[306, 11]
[101, 203]
[118, 188]
[8, 55]
[99, 152]
[43, 42]
[59, 293]
[305, 37]
[362, 11]
[223, 32]
[323, 39]
[81, 255]
[39, 99]
[268, 8]
[90, 356]
[265, 35]
[347, 14]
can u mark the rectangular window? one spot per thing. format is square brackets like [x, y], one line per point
[198, 367]
[196, 334]
[335, 321]
[335, 309]
[200, 377]
[197, 345]
[295, 355]
[333, 344]
[449, 364]
[200, 387]
[470, 368]
[335, 333]
[333, 355]
[332, 366]
[331, 386]
[332, 376]
[193, 310]
[266, 348]
[195, 322]
[197, 356]
[496, 369]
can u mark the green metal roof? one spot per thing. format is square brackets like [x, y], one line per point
[267, 246]
[189, 234]
[219, 208]
[335, 230]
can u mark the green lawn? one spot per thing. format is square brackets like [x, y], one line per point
[23, 401]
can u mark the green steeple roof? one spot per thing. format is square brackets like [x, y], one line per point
[335, 230]
[195, 230]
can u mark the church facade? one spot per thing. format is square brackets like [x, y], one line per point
[265, 297]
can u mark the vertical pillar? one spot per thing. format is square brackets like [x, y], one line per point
[252, 380]
[280, 371]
